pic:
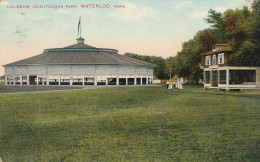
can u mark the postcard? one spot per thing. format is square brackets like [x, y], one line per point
[129, 80]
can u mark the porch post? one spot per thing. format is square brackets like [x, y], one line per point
[141, 81]
[83, 77]
[218, 78]
[210, 75]
[47, 80]
[37, 80]
[117, 80]
[5, 79]
[59, 80]
[70, 80]
[227, 80]
[21, 80]
[28, 80]
[95, 79]
[135, 80]
[106, 79]
[126, 80]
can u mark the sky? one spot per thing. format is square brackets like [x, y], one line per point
[145, 27]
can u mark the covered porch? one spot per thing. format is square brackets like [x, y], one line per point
[229, 77]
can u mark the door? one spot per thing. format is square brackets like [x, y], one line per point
[214, 82]
[32, 80]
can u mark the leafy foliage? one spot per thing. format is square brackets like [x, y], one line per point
[240, 28]
[159, 70]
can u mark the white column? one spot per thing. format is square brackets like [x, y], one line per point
[126, 80]
[37, 80]
[218, 78]
[59, 80]
[95, 79]
[70, 75]
[147, 80]
[83, 82]
[141, 80]
[106, 79]
[70, 80]
[210, 75]
[21, 80]
[47, 80]
[28, 81]
[227, 80]
[117, 80]
[135, 80]
[5, 79]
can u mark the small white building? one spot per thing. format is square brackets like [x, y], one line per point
[156, 80]
[218, 74]
[79, 64]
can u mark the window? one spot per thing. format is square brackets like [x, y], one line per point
[77, 80]
[111, 79]
[246, 77]
[64, 80]
[42, 80]
[17, 79]
[222, 76]
[214, 61]
[101, 80]
[53, 80]
[207, 77]
[24, 80]
[89, 80]
[221, 58]
[207, 60]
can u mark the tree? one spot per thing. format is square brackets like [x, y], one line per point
[215, 19]
[169, 62]
[187, 62]
[159, 69]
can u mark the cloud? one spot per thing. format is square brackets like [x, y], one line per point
[199, 14]
[183, 4]
[3, 3]
[204, 13]
[220, 9]
[135, 13]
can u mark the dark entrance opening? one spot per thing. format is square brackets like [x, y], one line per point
[138, 81]
[64, 82]
[214, 82]
[122, 81]
[78, 82]
[32, 80]
[89, 81]
[111, 81]
[131, 81]
[143, 80]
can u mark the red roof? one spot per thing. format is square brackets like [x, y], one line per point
[217, 51]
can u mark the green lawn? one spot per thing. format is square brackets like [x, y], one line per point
[1, 83]
[130, 124]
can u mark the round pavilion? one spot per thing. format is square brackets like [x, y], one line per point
[79, 64]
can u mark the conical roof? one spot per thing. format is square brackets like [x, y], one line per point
[79, 54]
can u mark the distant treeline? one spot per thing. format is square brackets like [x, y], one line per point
[239, 28]
[160, 70]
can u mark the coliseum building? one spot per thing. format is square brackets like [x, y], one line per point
[79, 64]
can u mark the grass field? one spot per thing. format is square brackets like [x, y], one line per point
[130, 124]
[1, 83]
